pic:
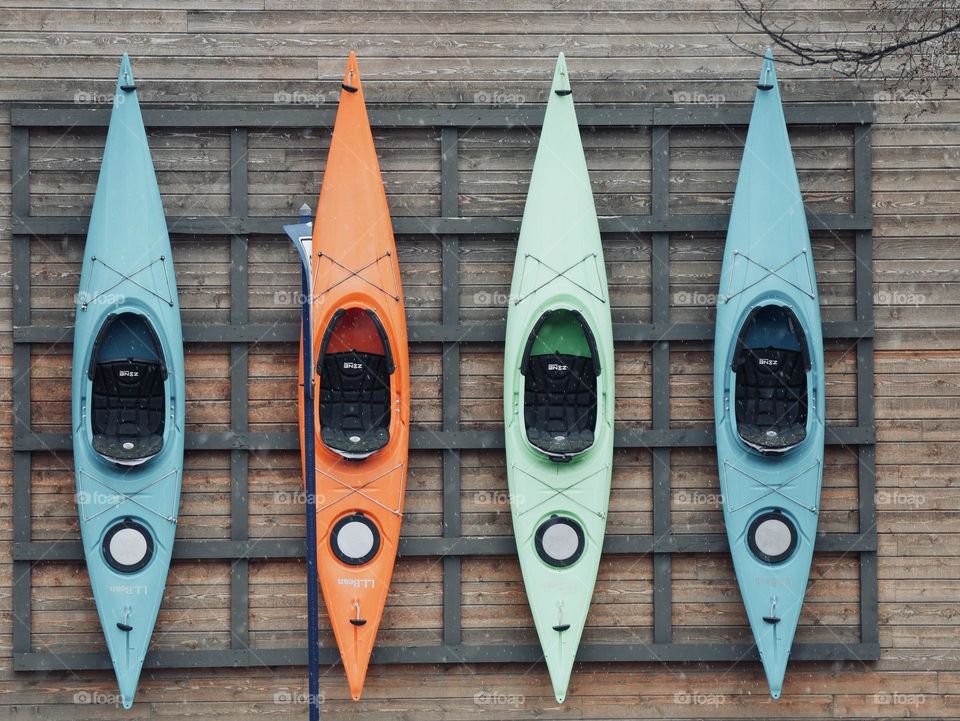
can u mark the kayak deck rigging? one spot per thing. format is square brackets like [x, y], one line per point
[561, 492]
[774, 489]
[87, 299]
[123, 496]
[775, 272]
[560, 274]
[358, 490]
[358, 273]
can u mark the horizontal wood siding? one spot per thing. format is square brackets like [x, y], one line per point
[500, 52]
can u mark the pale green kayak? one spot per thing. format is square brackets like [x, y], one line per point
[559, 389]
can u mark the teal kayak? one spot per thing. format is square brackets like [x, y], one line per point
[559, 389]
[769, 385]
[128, 393]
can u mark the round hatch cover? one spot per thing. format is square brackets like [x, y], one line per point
[355, 539]
[772, 537]
[128, 546]
[559, 541]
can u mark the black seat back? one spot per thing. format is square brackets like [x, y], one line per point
[128, 408]
[354, 401]
[560, 402]
[771, 397]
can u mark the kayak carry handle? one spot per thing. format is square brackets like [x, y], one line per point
[349, 88]
[764, 83]
[772, 619]
[564, 93]
[123, 625]
[561, 626]
[127, 86]
[358, 621]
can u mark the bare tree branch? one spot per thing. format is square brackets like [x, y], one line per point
[911, 47]
[914, 29]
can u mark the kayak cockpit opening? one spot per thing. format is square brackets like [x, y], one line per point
[128, 374]
[771, 363]
[355, 365]
[560, 365]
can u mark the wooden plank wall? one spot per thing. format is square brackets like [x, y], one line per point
[500, 51]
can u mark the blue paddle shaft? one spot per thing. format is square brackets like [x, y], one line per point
[310, 482]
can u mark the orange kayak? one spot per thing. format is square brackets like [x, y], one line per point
[361, 385]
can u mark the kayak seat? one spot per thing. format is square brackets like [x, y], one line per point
[560, 404]
[771, 398]
[354, 403]
[128, 410]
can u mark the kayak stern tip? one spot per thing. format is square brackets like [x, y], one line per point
[768, 73]
[775, 671]
[560, 690]
[356, 677]
[351, 76]
[560, 668]
[561, 79]
[128, 691]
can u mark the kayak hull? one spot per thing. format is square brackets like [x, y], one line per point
[357, 308]
[769, 345]
[558, 325]
[128, 299]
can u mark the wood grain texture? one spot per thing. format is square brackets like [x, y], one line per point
[269, 52]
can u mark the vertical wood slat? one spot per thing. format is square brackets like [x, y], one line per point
[239, 395]
[22, 571]
[866, 412]
[660, 361]
[450, 370]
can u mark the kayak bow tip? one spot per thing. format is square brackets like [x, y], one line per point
[768, 74]
[561, 79]
[351, 76]
[125, 81]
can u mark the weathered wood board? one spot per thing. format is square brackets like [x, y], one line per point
[264, 52]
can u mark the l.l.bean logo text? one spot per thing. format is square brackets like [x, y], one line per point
[357, 582]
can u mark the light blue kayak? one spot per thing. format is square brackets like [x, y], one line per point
[769, 385]
[559, 389]
[128, 393]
